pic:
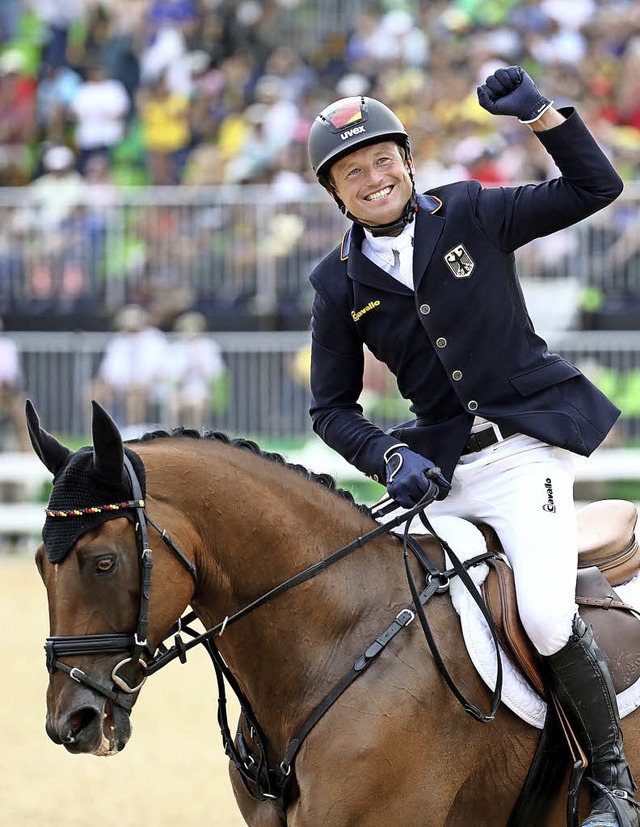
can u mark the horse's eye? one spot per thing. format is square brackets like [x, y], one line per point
[105, 564]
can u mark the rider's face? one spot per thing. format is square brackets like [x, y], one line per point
[374, 182]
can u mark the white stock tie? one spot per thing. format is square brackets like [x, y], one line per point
[403, 260]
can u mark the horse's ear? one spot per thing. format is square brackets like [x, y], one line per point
[51, 452]
[108, 450]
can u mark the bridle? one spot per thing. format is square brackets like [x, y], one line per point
[134, 643]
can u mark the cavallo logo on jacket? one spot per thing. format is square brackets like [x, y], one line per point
[460, 262]
[357, 314]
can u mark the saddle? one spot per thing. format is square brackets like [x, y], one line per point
[608, 556]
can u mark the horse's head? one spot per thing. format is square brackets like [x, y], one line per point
[95, 562]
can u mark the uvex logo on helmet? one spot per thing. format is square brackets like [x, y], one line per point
[357, 130]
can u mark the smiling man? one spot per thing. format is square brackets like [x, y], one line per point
[428, 283]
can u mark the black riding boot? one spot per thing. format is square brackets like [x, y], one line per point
[583, 685]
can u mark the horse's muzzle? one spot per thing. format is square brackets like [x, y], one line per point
[100, 729]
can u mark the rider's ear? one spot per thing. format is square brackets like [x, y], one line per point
[108, 451]
[410, 165]
[51, 452]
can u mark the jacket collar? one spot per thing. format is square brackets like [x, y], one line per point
[429, 226]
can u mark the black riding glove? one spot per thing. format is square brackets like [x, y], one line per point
[511, 91]
[411, 476]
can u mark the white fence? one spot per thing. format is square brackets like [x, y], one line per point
[267, 401]
[266, 395]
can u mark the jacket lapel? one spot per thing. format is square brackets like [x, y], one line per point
[429, 226]
[362, 270]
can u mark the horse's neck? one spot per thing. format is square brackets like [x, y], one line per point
[254, 525]
[308, 635]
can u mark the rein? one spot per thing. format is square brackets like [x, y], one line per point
[269, 783]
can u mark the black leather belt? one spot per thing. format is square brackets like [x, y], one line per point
[488, 436]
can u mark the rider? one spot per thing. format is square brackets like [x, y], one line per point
[428, 283]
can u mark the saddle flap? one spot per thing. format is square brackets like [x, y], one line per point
[499, 593]
[616, 626]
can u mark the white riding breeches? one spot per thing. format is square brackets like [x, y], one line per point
[523, 489]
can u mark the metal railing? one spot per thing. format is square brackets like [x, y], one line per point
[266, 395]
[236, 252]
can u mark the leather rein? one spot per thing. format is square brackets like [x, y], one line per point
[254, 770]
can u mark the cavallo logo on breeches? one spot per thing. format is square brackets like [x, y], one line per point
[549, 505]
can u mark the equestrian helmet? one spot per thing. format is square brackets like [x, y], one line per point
[347, 125]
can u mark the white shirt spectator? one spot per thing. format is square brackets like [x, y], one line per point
[134, 358]
[100, 107]
[57, 13]
[9, 363]
[194, 363]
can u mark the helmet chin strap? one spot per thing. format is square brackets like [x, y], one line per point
[397, 226]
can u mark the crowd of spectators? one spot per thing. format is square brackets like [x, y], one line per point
[103, 94]
[220, 91]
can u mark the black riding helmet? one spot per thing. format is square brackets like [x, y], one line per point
[350, 124]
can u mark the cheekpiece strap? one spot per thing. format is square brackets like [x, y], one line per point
[95, 509]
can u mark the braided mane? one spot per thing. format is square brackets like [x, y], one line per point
[325, 480]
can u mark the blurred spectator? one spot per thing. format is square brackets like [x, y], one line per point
[166, 130]
[11, 258]
[119, 49]
[252, 158]
[195, 368]
[279, 113]
[17, 118]
[296, 76]
[11, 397]
[58, 17]
[64, 234]
[226, 58]
[204, 167]
[101, 190]
[10, 14]
[170, 244]
[170, 22]
[223, 101]
[133, 370]
[99, 109]
[207, 86]
[57, 87]
[57, 192]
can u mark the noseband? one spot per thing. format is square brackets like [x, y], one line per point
[135, 644]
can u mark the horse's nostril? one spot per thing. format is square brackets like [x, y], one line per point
[79, 721]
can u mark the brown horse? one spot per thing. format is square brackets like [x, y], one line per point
[395, 748]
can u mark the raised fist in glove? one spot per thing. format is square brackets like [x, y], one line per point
[511, 91]
[411, 476]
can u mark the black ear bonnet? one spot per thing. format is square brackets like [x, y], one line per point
[79, 485]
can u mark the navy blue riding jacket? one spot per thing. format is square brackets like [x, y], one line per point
[462, 343]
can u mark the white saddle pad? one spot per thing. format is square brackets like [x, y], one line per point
[467, 541]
